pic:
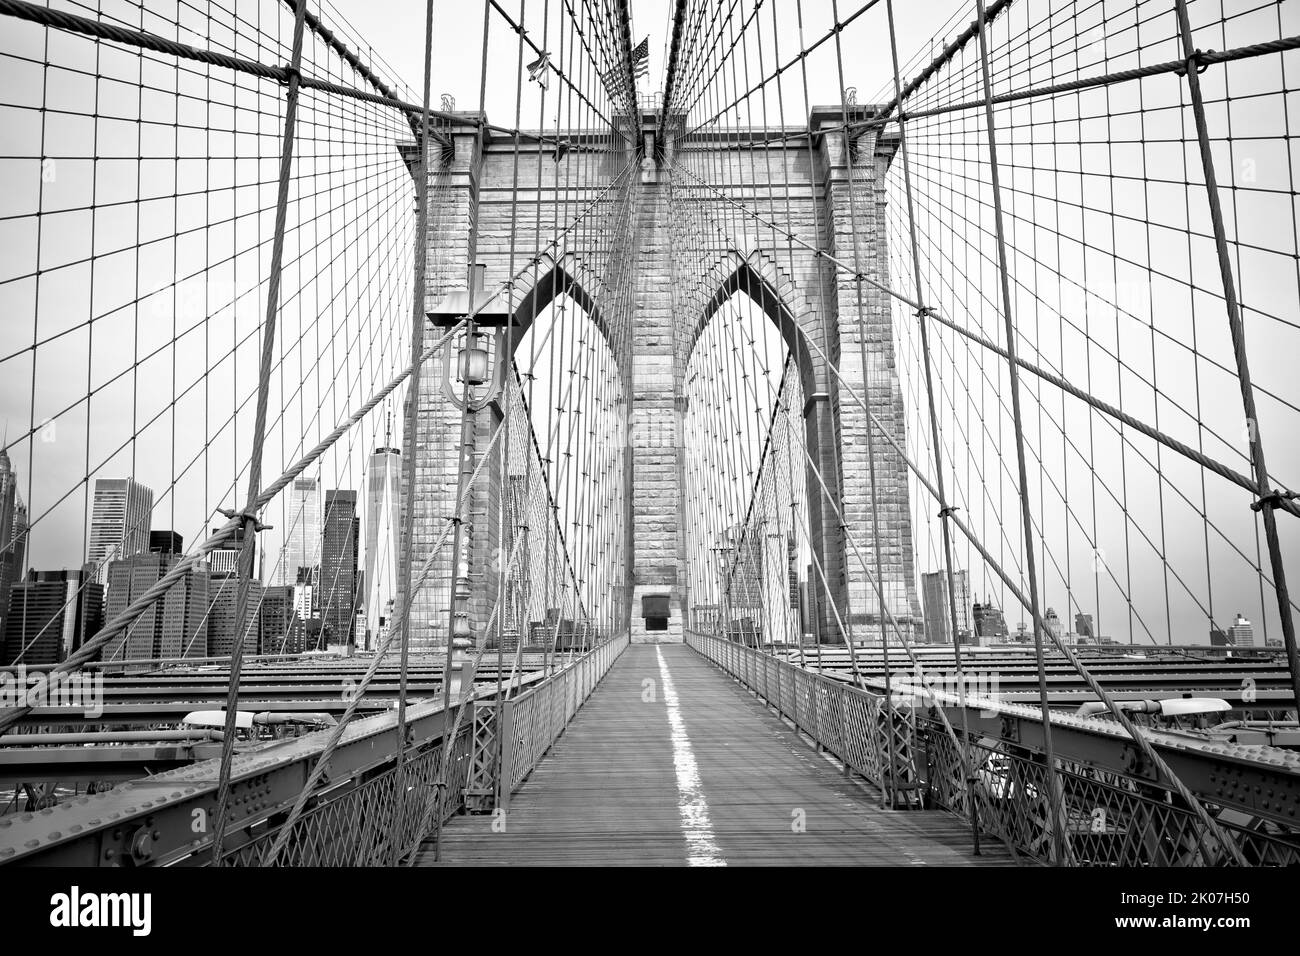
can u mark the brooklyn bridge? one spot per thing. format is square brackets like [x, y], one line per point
[812, 432]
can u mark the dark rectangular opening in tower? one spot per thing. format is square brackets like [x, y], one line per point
[654, 608]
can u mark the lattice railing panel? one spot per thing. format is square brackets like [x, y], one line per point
[1108, 822]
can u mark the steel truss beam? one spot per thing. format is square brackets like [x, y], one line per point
[167, 818]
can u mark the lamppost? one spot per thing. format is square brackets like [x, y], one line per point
[476, 380]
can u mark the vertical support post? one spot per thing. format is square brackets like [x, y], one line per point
[1268, 498]
[1031, 572]
[248, 544]
[505, 765]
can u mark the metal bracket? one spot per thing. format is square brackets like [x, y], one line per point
[1196, 61]
[1273, 499]
[246, 518]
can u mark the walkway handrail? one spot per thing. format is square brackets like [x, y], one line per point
[508, 745]
[165, 818]
[848, 722]
[1112, 818]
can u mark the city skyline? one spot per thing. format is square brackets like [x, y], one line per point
[195, 617]
[122, 496]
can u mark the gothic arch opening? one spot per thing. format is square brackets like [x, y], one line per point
[746, 525]
[571, 385]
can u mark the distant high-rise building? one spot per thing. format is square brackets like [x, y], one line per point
[50, 615]
[13, 533]
[1218, 638]
[226, 560]
[740, 579]
[175, 626]
[304, 598]
[302, 539]
[283, 630]
[223, 598]
[338, 578]
[990, 625]
[184, 630]
[166, 542]
[934, 597]
[1241, 634]
[1083, 625]
[119, 522]
[383, 512]
[1053, 623]
[128, 578]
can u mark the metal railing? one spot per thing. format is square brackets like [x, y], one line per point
[509, 744]
[1111, 818]
[852, 724]
[371, 823]
[377, 820]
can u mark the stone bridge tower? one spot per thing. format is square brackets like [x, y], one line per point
[654, 291]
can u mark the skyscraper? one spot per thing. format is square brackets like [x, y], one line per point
[1083, 625]
[119, 522]
[283, 630]
[223, 600]
[990, 625]
[175, 626]
[1241, 634]
[740, 583]
[166, 542]
[338, 579]
[304, 596]
[13, 533]
[226, 560]
[50, 615]
[1052, 623]
[302, 538]
[934, 595]
[383, 512]
[184, 631]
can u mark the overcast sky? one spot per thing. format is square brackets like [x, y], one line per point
[345, 327]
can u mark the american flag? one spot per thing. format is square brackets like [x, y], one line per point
[641, 59]
[640, 64]
[540, 71]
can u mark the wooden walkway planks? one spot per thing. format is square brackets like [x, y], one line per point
[618, 788]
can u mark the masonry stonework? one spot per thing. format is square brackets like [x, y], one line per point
[651, 288]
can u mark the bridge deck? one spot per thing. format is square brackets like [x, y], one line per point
[703, 775]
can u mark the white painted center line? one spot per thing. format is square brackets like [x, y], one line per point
[701, 848]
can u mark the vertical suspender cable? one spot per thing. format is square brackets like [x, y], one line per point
[945, 511]
[249, 525]
[418, 322]
[887, 783]
[1053, 779]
